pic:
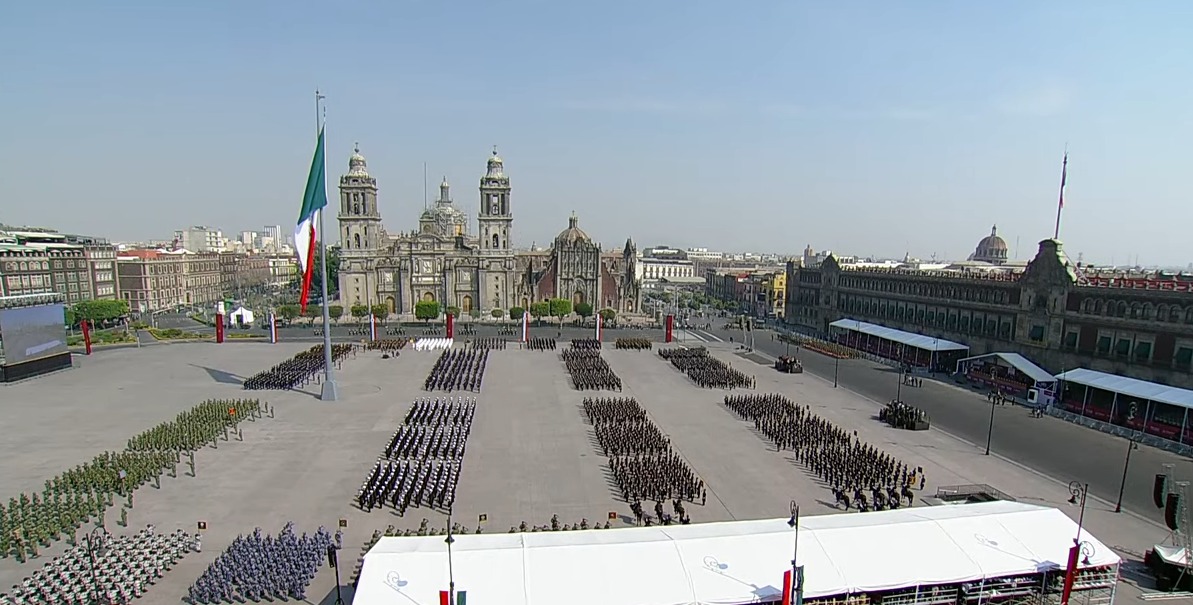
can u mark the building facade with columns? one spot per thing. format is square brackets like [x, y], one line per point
[443, 260]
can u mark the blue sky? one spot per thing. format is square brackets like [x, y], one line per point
[871, 128]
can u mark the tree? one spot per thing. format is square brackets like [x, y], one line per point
[426, 310]
[69, 316]
[333, 274]
[289, 313]
[584, 310]
[100, 311]
[497, 313]
[516, 313]
[380, 311]
[312, 311]
[335, 312]
[540, 310]
[607, 315]
[359, 312]
[453, 311]
[560, 307]
[474, 313]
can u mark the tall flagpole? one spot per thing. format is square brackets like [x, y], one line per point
[1060, 204]
[330, 391]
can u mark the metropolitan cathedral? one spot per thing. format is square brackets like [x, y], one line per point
[444, 261]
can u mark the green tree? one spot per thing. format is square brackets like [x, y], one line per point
[426, 310]
[333, 274]
[540, 310]
[454, 311]
[69, 316]
[359, 312]
[497, 313]
[380, 311]
[584, 310]
[607, 315]
[312, 311]
[560, 307]
[289, 313]
[101, 311]
[516, 313]
[474, 313]
[335, 312]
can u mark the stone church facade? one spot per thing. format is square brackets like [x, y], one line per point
[444, 261]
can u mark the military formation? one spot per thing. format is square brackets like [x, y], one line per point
[421, 464]
[540, 344]
[122, 570]
[633, 344]
[31, 523]
[903, 416]
[298, 371]
[862, 476]
[706, 370]
[493, 344]
[641, 459]
[589, 371]
[458, 370]
[259, 566]
[433, 344]
[387, 345]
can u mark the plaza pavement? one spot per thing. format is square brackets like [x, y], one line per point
[530, 454]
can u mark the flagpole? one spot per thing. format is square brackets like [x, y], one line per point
[1060, 204]
[330, 390]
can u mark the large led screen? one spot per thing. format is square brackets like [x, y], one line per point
[31, 333]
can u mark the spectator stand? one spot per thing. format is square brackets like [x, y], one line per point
[907, 349]
[1010, 374]
[1154, 413]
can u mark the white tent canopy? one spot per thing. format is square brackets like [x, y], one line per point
[241, 316]
[728, 563]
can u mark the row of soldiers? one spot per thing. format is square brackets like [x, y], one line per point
[633, 344]
[661, 516]
[493, 344]
[258, 566]
[387, 345]
[540, 344]
[838, 457]
[586, 344]
[31, 522]
[903, 416]
[641, 459]
[460, 369]
[590, 371]
[299, 370]
[113, 570]
[706, 370]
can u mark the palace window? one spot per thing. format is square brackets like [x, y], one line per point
[1183, 358]
[1123, 347]
[1036, 333]
[1143, 351]
[1104, 345]
[1070, 340]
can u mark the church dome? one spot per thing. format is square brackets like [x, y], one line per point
[992, 248]
[495, 167]
[356, 163]
[573, 234]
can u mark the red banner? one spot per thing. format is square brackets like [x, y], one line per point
[444, 597]
[86, 335]
[1070, 573]
[451, 325]
[669, 326]
[219, 328]
[787, 586]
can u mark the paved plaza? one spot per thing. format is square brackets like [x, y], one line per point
[530, 454]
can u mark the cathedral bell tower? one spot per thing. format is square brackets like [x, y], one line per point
[495, 219]
[360, 233]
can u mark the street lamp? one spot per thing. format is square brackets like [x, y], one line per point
[1077, 494]
[96, 543]
[1131, 445]
[836, 367]
[451, 577]
[990, 429]
[797, 571]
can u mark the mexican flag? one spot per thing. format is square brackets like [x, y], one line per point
[313, 201]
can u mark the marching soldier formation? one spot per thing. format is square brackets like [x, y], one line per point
[541, 344]
[903, 416]
[640, 456]
[421, 464]
[633, 344]
[861, 475]
[493, 344]
[69, 500]
[458, 370]
[387, 345]
[589, 371]
[706, 370]
[433, 344]
[586, 344]
[299, 370]
[123, 569]
[259, 567]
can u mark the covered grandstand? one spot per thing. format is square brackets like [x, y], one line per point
[972, 553]
[908, 348]
[1008, 373]
[1148, 407]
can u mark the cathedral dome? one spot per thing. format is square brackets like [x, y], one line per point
[356, 163]
[992, 249]
[573, 234]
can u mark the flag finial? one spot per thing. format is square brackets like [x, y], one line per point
[494, 150]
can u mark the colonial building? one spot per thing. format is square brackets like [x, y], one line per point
[444, 261]
[156, 280]
[1052, 312]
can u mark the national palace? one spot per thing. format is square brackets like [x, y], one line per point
[1053, 311]
[443, 260]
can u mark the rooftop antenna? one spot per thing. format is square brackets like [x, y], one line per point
[1016, 247]
[424, 185]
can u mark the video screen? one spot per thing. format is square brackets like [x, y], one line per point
[28, 333]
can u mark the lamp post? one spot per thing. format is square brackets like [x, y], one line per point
[451, 577]
[1077, 493]
[836, 368]
[1131, 445]
[990, 429]
[96, 542]
[797, 571]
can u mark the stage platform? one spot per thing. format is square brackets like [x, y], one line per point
[35, 367]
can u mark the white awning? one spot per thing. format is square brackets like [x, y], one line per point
[919, 341]
[1018, 362]
[1132, 387]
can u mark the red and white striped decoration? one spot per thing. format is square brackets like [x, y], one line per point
[598, 327]
[273, 328]
[526, 327]
[372, 327]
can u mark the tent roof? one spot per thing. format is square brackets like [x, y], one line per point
[1132, 387]
[1020, 363]
[729, 563]
[910, 339]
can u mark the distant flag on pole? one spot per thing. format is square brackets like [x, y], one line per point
[1064, 176]
[273, 328]
[313, 200]
[372, 327]
[525, 327]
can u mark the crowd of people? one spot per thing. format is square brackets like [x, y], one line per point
[298, 371]
[123, 569]
[706, 370]
[861, 475]
[540, 344]
[259, 566]
[633, 344]
[644, 465]
[458, 370]
[590, 371]
[421, 464]
[903, 416]
[31, 522]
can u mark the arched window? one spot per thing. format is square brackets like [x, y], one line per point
[1136, 310]
[356, 240]
[1162, 313]
[1174, 314]
[496, 241]
[1189, 315]
[1121, 310]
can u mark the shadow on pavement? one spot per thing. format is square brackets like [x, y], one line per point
[221, 376]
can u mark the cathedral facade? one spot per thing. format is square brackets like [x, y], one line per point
[444, 261]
